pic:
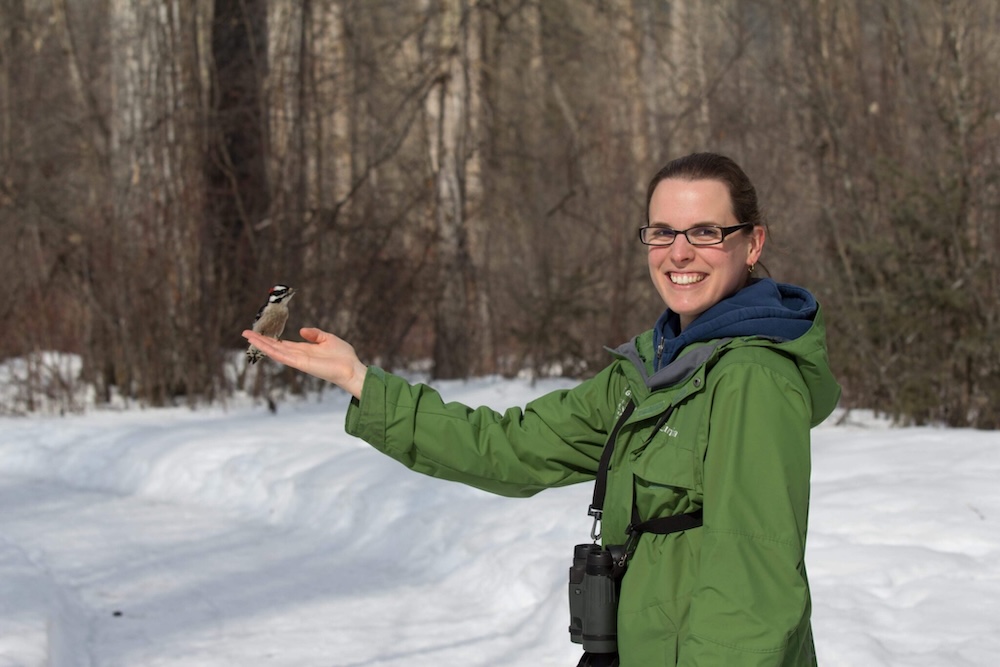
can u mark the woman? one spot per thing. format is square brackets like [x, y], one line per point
[725, 389]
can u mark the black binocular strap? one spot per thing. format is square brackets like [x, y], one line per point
[663, 525]
[601, 483]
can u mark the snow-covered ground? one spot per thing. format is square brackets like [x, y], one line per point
[238, 537]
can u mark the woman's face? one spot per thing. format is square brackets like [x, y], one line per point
[692, 279]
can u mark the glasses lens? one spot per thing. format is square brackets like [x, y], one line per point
[705, 235]
[657, 235]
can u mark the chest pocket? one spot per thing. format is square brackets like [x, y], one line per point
[668, 478]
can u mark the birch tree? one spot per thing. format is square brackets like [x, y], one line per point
[308, 89]
[284, 101]
[452, 105]
[157, 143]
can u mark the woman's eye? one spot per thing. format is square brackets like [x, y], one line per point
[704, 233]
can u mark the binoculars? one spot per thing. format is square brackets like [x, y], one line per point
[593, 599]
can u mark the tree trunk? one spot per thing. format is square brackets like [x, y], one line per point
[326, 144]
[157, 138]
[283, 99]
[454, 38]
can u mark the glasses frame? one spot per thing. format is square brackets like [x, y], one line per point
[726, 231]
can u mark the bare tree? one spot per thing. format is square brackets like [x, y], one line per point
[453, 43]
[157, 142]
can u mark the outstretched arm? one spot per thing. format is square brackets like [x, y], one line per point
[323, 355]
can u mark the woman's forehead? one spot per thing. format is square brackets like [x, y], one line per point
[705, 201]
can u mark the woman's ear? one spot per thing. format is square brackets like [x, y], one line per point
[758, 234]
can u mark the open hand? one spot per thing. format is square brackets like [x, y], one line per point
[323, 355]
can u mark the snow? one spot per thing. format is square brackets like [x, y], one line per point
[223, 537]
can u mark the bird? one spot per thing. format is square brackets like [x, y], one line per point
[271, 318]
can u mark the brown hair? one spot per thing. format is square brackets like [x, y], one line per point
[711, 166]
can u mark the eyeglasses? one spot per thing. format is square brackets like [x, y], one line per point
[706, 235]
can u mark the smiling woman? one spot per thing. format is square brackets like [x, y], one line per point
[692, 198]
[700, 424]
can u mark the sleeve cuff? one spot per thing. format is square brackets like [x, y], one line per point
[366, 417]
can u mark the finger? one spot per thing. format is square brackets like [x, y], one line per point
[267, 345]
[255, 338]
[282, 352]
[313, 335]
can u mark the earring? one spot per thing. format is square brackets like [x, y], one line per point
[750, 268]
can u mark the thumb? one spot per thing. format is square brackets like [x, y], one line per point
[313, 335]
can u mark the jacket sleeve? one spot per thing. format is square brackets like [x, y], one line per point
[555, 440]
[750, 602]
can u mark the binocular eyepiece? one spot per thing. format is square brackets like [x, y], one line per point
[593, 599]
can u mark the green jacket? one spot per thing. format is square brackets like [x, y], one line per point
[733, 592]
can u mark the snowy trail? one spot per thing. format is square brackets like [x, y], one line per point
[214, 538]
[135, 582]
[145, 583]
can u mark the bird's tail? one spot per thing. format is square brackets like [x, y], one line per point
[254, 355]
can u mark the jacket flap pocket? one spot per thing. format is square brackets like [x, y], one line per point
[664, 464]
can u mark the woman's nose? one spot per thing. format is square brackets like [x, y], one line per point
[681, 249]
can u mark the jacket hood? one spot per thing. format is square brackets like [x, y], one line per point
[762, 308]
[765, 313]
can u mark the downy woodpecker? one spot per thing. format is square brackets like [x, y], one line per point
[271, 318]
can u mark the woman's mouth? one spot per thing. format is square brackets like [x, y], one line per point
[685, 278]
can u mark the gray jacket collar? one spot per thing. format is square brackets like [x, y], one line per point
[677, 371]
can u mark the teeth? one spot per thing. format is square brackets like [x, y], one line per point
[686, 278]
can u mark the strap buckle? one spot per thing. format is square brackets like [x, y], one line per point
[595, 530]
[631, 541]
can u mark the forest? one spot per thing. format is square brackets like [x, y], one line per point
[455, 185]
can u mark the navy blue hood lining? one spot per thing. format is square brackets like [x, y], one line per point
[764, 308]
